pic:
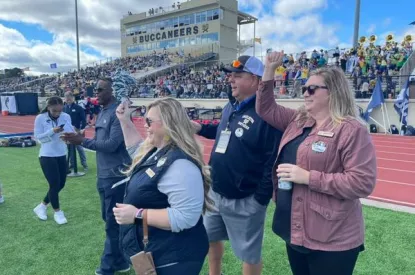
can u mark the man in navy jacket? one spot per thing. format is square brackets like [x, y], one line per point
[77, 114]
[111, 157]
[242, 158]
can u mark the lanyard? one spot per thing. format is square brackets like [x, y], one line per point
[229, 119]
[53, 120]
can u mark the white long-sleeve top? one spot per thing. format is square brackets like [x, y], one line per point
[51, 144]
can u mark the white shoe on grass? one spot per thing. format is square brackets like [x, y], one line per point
[1, 199]
[60, 217]
[41, 211]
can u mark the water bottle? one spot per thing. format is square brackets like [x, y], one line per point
[284, 185]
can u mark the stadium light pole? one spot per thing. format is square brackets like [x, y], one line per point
[356, 24]
[77, 34]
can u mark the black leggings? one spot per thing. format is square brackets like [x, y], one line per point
[55, 170]
[322, 262]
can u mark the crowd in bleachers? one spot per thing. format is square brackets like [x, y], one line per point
[79, 81]
[186, 82]
[363, 65]
[375, 61]
[9, 83]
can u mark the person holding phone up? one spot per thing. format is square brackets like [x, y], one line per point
[49, 125]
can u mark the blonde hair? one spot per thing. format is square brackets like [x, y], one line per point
[342, 104]
[180, 133]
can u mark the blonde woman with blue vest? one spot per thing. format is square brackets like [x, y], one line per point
[169, 183]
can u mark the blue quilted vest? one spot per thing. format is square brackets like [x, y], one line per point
[142, 192]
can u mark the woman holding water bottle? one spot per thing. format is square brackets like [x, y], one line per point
[326, 163]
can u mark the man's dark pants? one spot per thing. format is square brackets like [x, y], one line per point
[112, 258]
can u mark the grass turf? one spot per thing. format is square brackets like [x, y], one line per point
[30, 246]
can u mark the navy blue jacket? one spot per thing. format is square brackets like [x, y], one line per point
[141, 191]
[246, 166]
[112, 156]
[77, 114]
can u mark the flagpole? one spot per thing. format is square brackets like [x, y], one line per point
[77, 34]
[387, 116]
[378, 123]
[383, 116]
[400, 126]
[356, 24]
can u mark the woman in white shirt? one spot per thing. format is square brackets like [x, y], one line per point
[52, 156]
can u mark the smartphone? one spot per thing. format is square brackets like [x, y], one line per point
[61, 126]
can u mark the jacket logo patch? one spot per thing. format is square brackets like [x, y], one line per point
[247, 122]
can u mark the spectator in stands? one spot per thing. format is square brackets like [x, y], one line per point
[112, 157]
[78, 119]
[326, 163]
[49, 124]
[365, 89]
[170, 182]
[241, 189]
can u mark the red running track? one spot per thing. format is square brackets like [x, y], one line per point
[395, 157]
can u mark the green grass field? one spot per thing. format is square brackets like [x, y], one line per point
[29, 246]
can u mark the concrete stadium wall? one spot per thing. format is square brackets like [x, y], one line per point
[290, 103]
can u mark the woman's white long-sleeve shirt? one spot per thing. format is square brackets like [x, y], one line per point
[51, 144]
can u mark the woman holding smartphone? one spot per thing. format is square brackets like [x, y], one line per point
[49, 124]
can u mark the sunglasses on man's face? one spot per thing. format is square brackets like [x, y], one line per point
[98, 90]
[312, 89]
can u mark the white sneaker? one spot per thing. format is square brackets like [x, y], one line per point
[60, 217]
[1, 199]
[41, 211]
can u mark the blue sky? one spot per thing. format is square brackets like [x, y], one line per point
[385, 16]
[37, 33]
[376, 17]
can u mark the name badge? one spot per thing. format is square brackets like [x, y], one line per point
[319, 147]
[223, 142]
[325, 134]
[150, 172]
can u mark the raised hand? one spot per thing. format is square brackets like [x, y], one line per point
[123, 111]
[274, 60]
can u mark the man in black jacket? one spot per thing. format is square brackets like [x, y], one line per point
[77, 114]
[242, 158]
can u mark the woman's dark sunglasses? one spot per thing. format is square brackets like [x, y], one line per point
[150, 121]
[312, 89]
